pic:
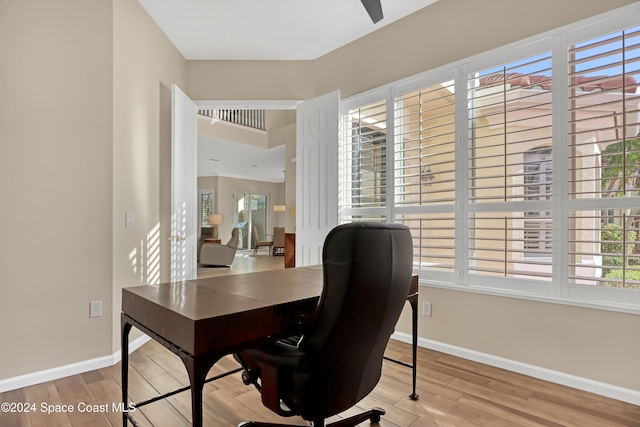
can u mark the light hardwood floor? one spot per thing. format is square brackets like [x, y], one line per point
[453, 392]
[244, 262]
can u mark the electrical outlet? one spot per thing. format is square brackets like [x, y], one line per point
[95, 309]
[426, 309]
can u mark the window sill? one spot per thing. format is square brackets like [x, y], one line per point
[595, 305]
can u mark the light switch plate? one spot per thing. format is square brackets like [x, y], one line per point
[129, 220]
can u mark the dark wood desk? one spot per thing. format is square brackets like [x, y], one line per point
[203, 320]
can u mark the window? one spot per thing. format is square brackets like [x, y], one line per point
[517, 171]
[604, 160]
[206, 207]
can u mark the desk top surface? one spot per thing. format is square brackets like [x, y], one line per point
[215, 313]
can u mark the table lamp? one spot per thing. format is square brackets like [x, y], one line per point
[215, 220]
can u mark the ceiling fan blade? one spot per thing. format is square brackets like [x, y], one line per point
[374, 9]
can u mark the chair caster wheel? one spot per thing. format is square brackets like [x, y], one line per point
[376, 414]
[246, 378]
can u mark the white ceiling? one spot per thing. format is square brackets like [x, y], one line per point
[268, 29]
[223, 158]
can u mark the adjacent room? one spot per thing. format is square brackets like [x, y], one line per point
[242, 169]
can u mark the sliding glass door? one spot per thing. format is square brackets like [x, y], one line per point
[250, 210]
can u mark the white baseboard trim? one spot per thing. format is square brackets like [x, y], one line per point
[585, 384]
[67, 370]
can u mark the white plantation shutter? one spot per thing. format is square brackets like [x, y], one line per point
[433, 239]
[425, 146]
[499, 247]
[424, 173]
[362, 174]
[510, 170]
[604, 160]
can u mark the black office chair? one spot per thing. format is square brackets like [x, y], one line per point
[337, 361]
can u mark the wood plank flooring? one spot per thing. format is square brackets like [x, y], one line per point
[453, 392]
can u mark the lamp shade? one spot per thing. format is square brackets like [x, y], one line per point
[215, 219]
[279, 208]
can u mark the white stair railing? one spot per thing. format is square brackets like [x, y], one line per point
[250, 118]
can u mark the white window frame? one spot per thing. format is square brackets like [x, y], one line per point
[558, 290]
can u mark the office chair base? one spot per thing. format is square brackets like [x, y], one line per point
[373, 415]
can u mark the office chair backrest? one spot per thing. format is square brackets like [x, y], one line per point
[367, 273]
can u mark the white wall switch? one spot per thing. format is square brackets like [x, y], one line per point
[129, 220]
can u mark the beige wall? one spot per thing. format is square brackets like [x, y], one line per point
[595, 344]
[247, 80]
[145, 65]
[55, 182]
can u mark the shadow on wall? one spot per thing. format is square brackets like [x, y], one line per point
[145, 259]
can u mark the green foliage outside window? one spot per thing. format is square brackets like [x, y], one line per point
[621, 167]
[627, 275]
[613, 243]
[621, 175]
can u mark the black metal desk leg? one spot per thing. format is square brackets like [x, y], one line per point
[125, 328]
[413, 300]
[197, 368]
